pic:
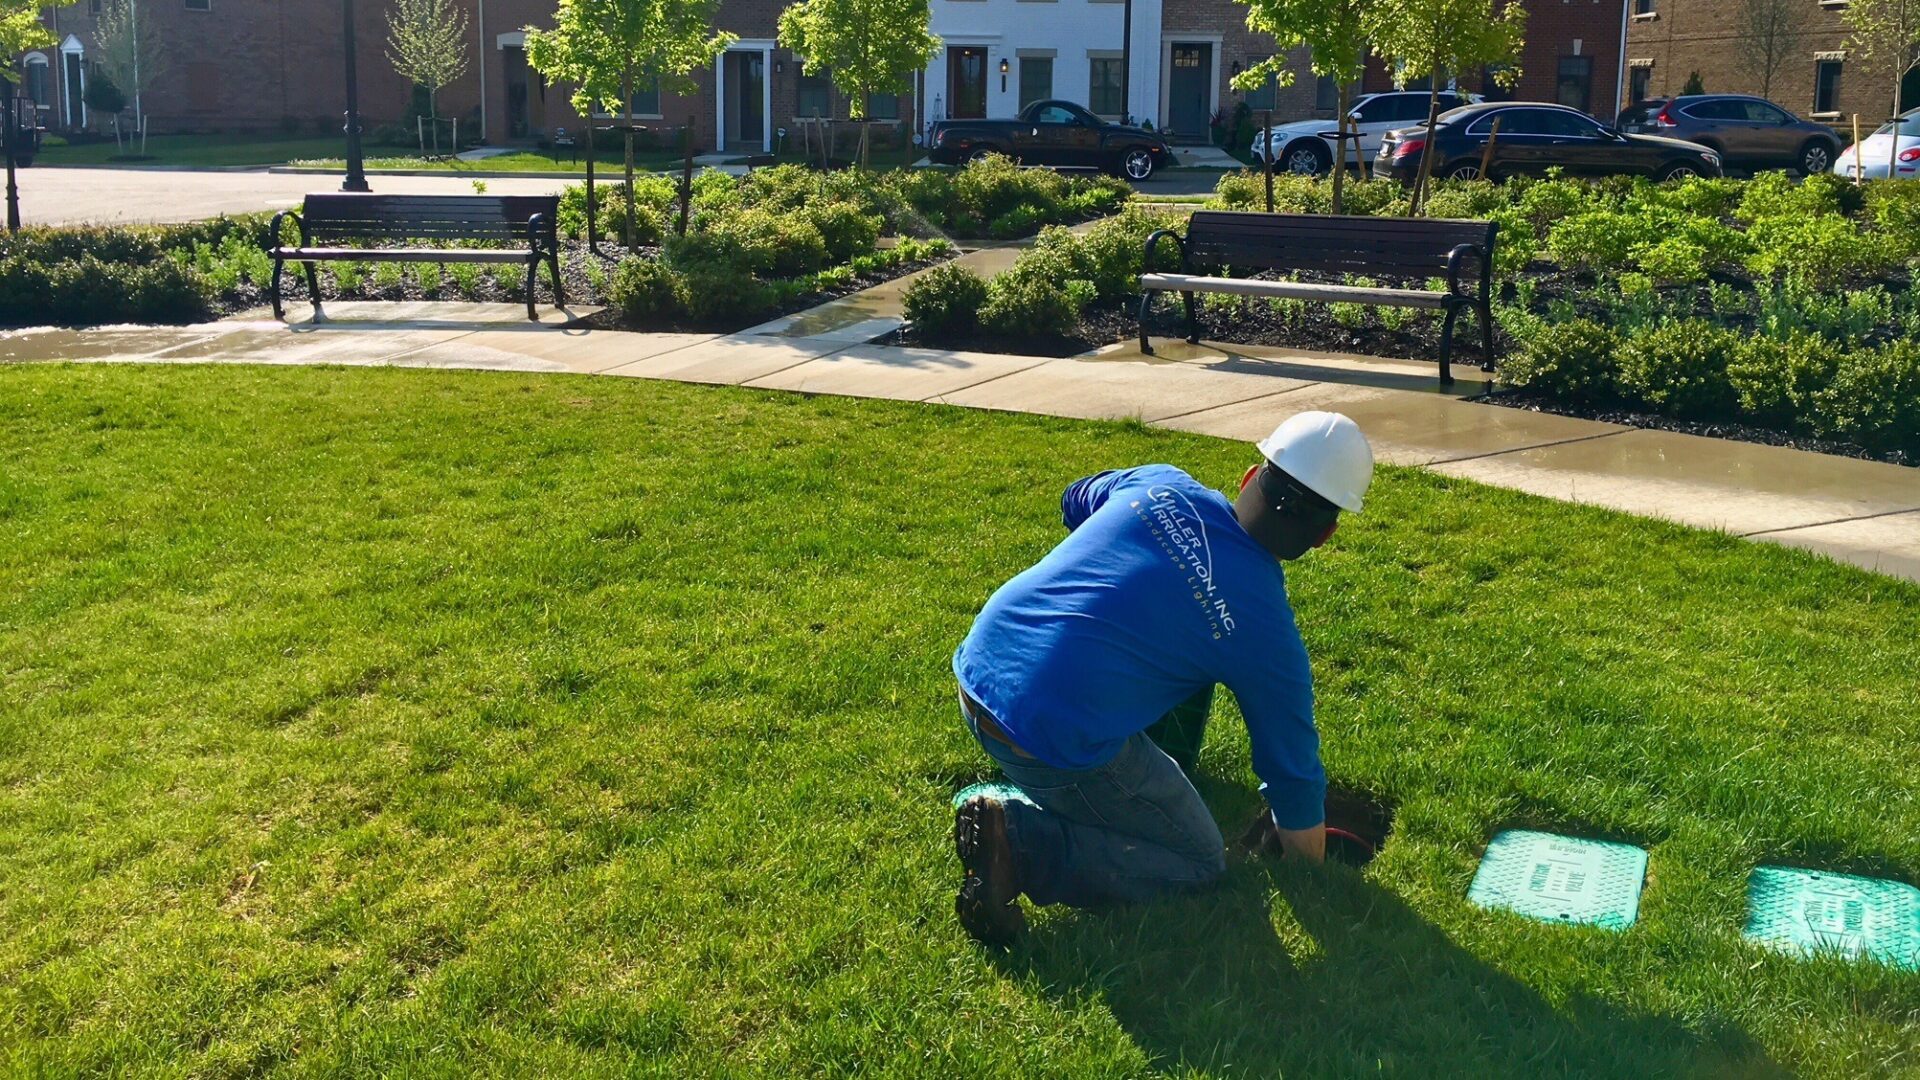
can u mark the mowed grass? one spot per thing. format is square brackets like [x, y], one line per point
[425, 723]
[203, 150]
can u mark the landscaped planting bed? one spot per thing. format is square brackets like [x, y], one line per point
[776, 241]
[1769, 309]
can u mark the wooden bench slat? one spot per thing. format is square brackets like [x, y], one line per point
[499, 255]
[1296, 290]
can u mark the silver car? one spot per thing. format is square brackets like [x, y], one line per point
[1746, 131]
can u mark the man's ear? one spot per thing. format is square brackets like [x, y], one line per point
[1247, 477]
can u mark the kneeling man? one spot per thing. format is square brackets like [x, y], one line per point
[1082, 674]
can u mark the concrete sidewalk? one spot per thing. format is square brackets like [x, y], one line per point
[1862, 512]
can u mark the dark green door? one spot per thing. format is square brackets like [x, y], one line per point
[1188, 86]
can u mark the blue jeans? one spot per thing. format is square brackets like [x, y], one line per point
[1124, 831]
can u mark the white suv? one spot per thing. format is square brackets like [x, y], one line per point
[1306, 146]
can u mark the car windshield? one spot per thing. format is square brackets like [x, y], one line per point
[1452, 115]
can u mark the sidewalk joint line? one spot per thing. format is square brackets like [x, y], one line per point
[930, 399]
[1534, 446]
[1835, 521]
[1230, 404]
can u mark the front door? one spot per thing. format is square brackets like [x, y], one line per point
[1189, 89]
[514, 60]
[967, 82]
[746, 77]
[76, 88]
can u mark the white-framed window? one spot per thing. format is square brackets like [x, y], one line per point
[199, 5]
[37, 79]
[814, 94]
[883, 106]
[1104, 73]
[1036, 79]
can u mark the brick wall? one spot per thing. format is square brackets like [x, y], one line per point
[1679, 37]
[1556, 30]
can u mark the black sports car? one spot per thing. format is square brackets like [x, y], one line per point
[1532, 138]
[1056, 133]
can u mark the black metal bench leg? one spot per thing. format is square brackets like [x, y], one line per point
[1193, 320]
[274, 292]
[533, 278]
[313, 289]
[1486, 338]
[1145, 299]
[559, 289]
[1446, 345]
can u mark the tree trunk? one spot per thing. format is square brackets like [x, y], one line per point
[593, 236]
[1893, 135]
[866, 130]
[626, 110]
[1340, 151]
[1426, 151]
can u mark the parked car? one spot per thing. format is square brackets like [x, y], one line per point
[1744, 130]
[1535, 137]
[1056, 133]
[1306, 146]
[1871, 154]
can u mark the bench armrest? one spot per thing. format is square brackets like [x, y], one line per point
[1146, 261]
[1459, 255]
[537, 230]
[279, 238]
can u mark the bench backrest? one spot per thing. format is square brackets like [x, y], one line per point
[429, 217]
[1335, 244]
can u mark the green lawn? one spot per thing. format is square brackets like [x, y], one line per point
[423, 723]
[197, 150]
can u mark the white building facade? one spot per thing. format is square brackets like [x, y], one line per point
[999, 55]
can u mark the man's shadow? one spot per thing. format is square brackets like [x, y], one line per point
[1304, 971]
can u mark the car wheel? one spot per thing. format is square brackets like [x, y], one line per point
[1303, 158]
[1136, 164]
[1679, 170]
[1816, 157]
[981, 154]
[1466, 170]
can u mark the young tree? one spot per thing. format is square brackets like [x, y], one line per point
[427, 45]
[1429, 38]
[608, 47]
[1887, 31]
[1769, 30]
[868, 46]
[128, 50]
[1332, 31]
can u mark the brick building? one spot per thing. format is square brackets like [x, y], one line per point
[1819, 77]
[1571, 56]
[277, 65]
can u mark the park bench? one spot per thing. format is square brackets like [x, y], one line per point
[1461, 252]
[521, 226]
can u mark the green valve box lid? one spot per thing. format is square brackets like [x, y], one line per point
[1002, 791]
[1812, 911]
[1561, 879]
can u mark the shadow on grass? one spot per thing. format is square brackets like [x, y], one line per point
[1296, 971]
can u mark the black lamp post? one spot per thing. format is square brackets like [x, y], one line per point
[356, 172]
[13, 134]
[1126, 58]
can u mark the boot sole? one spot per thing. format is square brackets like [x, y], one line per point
[986, 905]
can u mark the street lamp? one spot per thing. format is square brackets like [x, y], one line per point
[1126, 58]
[356, 172]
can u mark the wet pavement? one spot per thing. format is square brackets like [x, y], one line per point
[1862, 512]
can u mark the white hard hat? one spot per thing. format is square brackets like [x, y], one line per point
[1326, 453]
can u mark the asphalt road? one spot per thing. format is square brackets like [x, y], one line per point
[70, 196]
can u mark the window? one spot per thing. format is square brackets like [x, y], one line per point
[37, 86]
[1760, 112]
[1826, 86]
[1568, 125]
[815, 95]
[1103, 91]
[93, 7]
[1516, 122]
[1716, 109]
[199, 5]
[1574, 86]
[1036, 79]
[1639, 81]
[1260, 98]
[1643, 7]
[646, 100]
[883, 106]
[1326, 94]
[1053, 114]
[1392, 109]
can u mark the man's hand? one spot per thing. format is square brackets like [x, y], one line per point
[1264, 837]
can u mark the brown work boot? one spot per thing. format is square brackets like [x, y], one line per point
[987, 903]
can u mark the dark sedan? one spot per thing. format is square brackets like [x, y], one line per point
[1056, 133]
[1534, 137]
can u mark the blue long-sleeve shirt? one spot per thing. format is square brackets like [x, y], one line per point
[1155, 594]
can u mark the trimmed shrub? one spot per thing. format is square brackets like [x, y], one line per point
[87, 291]
[846, 229]
[1774, 380]
[1874, 398]
[946, 300]
[1598, 241]
[1243, 191]
[1032, 299]
[1017, 222]
[1679, 368]
[776, 245]
[644, 290]
[1571, 360]
[717, 293]
[1672, 261]
[1818, 252]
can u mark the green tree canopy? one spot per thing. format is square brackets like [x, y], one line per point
[427, 44]
[1428, 39]
[868, 46]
